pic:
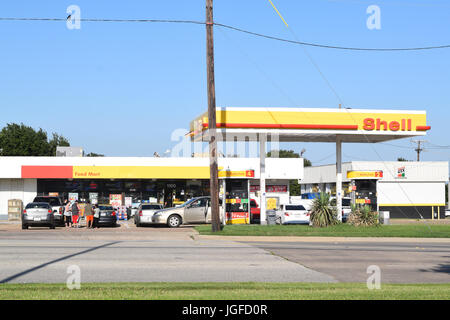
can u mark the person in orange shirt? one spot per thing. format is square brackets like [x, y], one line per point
[89, 214]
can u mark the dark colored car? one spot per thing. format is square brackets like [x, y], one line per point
[108, 216]
[38, 214]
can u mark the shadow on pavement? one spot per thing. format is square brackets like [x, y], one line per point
[17, 275]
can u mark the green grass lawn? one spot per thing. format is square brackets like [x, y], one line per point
[224, 291]
[341, 230]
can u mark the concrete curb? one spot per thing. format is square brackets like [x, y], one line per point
[319, 239]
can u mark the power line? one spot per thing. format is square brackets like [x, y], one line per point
[318, 45]
[330, 46]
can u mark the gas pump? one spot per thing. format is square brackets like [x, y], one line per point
[237, 196]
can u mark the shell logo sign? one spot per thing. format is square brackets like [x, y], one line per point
[314, 119]
[379, 124]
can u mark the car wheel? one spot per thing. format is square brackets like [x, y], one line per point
[24, 227]
[138, 225]
[52, 227]
[174, 221]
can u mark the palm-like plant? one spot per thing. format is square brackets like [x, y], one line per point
[322, 214]
[363, 216]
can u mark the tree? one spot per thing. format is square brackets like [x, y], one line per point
[57, 141]
[294, 186]
[93, 154]
[289, 154]
[401, 159]
[21, 140]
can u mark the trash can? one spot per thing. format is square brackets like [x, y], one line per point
[384, 217]
[271, 217]
[15, 207]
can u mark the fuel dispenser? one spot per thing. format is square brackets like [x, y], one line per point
[236, 187]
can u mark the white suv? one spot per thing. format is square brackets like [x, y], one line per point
[57, 207]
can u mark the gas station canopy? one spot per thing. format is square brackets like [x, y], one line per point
[312, 125]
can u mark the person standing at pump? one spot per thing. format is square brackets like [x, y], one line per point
[96, 216]
[68, 214]
[89, 214]
[75, 214]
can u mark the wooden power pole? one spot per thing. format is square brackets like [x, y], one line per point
[214, 179]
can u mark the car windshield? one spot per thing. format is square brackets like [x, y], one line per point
[186, 203]
[151, 207]
[106, 208]
[37, 206]
[295, 208]
[51, 201]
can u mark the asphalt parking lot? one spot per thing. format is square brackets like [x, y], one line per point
[127, 253]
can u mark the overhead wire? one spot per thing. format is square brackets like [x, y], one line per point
[257, 34]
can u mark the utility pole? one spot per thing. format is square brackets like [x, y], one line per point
[419, 149]
[213, 167]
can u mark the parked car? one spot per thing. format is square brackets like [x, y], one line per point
[346, 207]
[134, 209]
[38, 214]
[108, 216]
[145, 213]
[255, 212]
[193, 211]
[57, 207]
[292, 214]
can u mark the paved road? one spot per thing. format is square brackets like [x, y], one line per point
[347, 261]
[159, 255]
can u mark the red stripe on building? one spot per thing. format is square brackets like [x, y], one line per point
[423, 128]
[285, 126]
[47, 172]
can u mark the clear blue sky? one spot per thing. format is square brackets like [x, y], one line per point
[121, 88]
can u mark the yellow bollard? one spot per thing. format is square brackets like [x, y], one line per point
[432, 212]
[439, 213]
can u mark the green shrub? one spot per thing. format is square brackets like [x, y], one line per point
[322, 214]
[363, 216]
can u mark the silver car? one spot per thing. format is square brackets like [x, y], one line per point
[145, 213]
[39, 214]
[193, 211]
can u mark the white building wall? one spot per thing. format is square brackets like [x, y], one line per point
[411, 193]
[23, 189]
[415, 171]
[283, 197]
